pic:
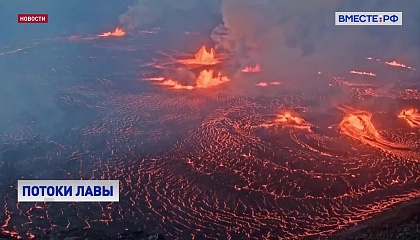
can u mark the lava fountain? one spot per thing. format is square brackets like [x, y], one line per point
[202, 57]
[205, 79]
[412, 116]
[118, 32]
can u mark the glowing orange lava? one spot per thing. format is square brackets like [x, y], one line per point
[175, 85]
[261, 84]
[363, 73]
[205, 79]
[202, 57]
[412, 116]
[358, 125]
[118, 32]
[290, 119]
[396, 64]
[257, 68]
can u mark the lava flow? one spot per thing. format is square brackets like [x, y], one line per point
[257, 68]
[364, 73]
[118, 32]
[205, 79]
[396, 64]
[412, 116]
[202, 57]
[358, 125]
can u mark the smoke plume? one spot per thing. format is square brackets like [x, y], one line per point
[293, 40]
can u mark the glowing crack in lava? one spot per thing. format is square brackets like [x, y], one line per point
[396, 64]
[289, 119]
[118, 32]
[257, 68]
[364, 73]
[205, 79]
[202, 57]
[412, 116]
[358, 125]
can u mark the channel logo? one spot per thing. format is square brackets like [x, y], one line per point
[368, 18]
[32, 18]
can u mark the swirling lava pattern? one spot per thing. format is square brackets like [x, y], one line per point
[412, 116]
[208, 164]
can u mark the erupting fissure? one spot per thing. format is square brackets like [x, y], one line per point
[118, 32]
[202, 57]
[205, 79]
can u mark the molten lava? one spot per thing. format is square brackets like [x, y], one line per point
[257, 68]
[175, 85]
[289, 119]
[202, 57]
[396, 64]
[261, 84]
[358, 125]
[205, 79]
[412, 116]
[118, 32]
[363, 73]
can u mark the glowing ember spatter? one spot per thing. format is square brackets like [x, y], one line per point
[396, 64]
[257, 68]
[202, 57]
[412, 116]
[363, 73]
[118, 32]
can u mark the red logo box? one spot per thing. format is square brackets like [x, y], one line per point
[32, 18]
